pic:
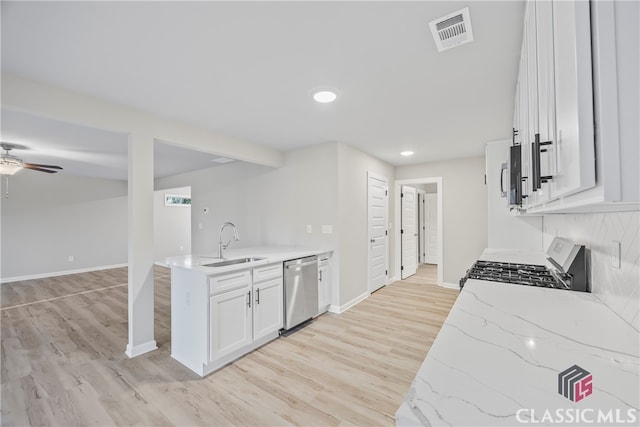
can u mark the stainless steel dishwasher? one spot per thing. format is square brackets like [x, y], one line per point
[300, 290]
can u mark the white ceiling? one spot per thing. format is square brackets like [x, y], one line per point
[85, 151]
[247, 69]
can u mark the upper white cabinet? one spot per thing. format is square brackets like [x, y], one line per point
[574, 96]
[573, 84]
[555, 103]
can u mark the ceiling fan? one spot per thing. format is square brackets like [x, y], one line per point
[11, 164]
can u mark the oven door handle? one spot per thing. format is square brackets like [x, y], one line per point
[503, 168]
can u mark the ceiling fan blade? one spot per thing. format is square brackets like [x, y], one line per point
[33, 168]
[28, 165]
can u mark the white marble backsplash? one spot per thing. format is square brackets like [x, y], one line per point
[618, 288]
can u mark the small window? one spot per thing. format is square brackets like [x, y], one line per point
[176, 200]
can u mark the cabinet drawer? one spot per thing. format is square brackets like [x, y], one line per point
[267, 272]
[230, 281]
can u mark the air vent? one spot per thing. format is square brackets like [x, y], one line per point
[452, 30]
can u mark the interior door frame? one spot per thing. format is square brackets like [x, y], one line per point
[397, 214]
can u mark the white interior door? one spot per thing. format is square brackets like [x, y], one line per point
[408, 232]
[422, 229]
[378, 202]
[432, 255]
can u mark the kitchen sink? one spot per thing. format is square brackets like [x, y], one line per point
[232, 262]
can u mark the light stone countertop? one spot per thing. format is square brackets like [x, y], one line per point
[269, 255]
[498, 356]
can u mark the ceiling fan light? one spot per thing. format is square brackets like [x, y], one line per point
[10, 165]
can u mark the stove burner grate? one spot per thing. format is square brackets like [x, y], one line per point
[519, 274]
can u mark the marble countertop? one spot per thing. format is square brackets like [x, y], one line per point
[498, 356]
[268, 255]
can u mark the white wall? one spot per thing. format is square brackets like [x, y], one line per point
[228, 193]
[324, 184]
[49, 217]
[171, 225]
[353, 168]
[618, 288]
[464, 210]
[269, 206]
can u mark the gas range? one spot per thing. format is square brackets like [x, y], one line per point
[519, 274]
[567, 268]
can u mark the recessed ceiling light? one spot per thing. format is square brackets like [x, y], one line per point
[324, 96]
[406, 153]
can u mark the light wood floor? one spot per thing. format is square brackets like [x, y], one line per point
[63, 361]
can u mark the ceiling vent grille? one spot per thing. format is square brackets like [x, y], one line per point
[452, 30]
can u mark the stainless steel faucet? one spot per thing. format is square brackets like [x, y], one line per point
[222, 246]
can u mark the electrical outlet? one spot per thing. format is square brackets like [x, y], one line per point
[309, 228]
[72, 258]
[327, 229]
[615, 254]
[200, 226]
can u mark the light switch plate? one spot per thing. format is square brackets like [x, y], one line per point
[309, 228]
[327, 229]
[615, 254]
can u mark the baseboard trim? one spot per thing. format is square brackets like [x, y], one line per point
[339, 309]
[393, 279]
[60, 273]
[137, 350]
[449, 285]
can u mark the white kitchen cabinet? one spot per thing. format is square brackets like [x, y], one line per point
[607, 51]
[267, 308]
[555, 105]
[268, 300]
[324, 283]
[545, 98]
[230, 323]
[216, 318]
[573, 97]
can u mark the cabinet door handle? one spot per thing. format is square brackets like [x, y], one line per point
[535, 161]
[503, 168]
[257, 295]
[249, 298]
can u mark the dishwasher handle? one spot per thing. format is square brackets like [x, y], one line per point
[304, 264]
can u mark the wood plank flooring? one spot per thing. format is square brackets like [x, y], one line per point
[63, 361]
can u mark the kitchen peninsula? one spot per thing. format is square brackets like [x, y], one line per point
[222, 309]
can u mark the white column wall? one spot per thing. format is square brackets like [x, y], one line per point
[141, 338]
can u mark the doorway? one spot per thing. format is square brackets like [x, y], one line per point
[431, 185]
[428, 224]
